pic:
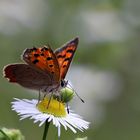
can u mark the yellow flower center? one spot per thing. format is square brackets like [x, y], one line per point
[52, 107]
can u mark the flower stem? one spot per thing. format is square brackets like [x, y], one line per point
[47, 124]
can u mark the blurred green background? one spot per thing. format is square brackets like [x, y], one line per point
[105, 70]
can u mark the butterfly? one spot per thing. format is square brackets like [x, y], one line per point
[44, 69]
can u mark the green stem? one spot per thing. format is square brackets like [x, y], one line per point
[47, 124]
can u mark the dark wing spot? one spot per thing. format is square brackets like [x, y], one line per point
[42, 54]
[49, 58]
[35, 61]
[36, 55]
[67, 59]
[64, 66]
[34, 49]
[52, 72]
[70, 51]
[51, 66]
[44, 48]
[61, 56]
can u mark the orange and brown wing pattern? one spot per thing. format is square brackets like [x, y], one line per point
[64, 56]
[44, 60]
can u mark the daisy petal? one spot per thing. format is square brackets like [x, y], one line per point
[28, 109]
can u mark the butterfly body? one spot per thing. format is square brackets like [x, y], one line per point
[44, 69]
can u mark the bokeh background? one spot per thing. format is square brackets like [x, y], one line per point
[105, 70]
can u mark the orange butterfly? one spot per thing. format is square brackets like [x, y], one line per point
[44, 69]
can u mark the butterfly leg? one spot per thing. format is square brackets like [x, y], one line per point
[44, 95]
[47, 90]
[49, 100]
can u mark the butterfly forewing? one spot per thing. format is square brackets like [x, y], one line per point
[26, 76]
[43, 59]
[64, 56]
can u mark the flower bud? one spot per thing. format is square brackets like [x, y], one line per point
[12, 134]
[66, 94]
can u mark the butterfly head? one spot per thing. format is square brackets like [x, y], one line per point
[63, 83]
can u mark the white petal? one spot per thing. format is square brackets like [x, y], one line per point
[63, 123]
[27, 109]
[59, 131]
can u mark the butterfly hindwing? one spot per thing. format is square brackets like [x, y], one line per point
[26, 76]
[64, 56]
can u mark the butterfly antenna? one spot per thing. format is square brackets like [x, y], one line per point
[50, 100]
[67, 108]
[76, 93]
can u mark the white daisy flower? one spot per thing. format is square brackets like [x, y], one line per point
[51, 111]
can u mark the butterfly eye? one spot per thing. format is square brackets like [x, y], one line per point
[62, 83]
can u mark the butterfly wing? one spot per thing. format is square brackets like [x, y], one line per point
[44, 60]
[26, 76]
[64, 56]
